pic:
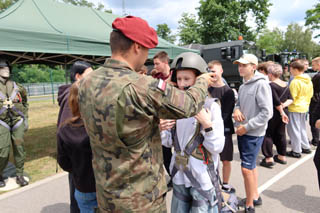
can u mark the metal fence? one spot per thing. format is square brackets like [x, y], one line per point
[37, 89]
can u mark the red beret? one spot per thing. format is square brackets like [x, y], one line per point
[137, 30]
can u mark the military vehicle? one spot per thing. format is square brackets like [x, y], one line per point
[227, 53]
[284, 58]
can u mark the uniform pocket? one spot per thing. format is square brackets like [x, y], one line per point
[5, 137]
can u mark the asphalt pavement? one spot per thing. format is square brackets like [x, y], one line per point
[285, 189]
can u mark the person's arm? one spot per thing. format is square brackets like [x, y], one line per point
[214, 140]
[264, 101]
[278, 105]
[283, 115]
[293, 89]
[227, 105]
[287, 103]
[24, 99]
[289, 100]
[165, 101]
[62, 155]
[237, 114]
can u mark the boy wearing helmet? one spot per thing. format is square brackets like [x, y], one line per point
[204, 132]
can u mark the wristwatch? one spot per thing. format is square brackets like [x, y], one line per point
[209, 129]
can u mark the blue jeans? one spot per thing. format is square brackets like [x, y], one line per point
[87, 202]
[179, 206]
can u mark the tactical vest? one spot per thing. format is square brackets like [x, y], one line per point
[13, 104]
[196, 149]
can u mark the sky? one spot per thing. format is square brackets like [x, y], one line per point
[282, 12]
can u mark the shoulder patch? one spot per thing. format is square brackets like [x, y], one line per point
[162, 85]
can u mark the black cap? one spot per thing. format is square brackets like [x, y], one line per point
[4, 63]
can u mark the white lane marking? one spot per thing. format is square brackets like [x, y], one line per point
[284, 172]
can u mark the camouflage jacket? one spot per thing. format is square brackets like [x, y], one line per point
[20, 102]
[121, 110]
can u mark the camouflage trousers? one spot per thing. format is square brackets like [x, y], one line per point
[14, 138]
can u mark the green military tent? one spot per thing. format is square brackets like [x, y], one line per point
[50, 32]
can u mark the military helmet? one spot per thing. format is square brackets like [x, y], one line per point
[188, 60]
[5, 63]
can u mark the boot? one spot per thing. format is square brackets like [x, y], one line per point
[2, 183]
[21, 181]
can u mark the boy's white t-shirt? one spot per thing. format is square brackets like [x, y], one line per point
[213, 142]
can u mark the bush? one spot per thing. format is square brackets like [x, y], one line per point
[37, 73]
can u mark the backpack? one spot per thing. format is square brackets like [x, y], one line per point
[229, 201]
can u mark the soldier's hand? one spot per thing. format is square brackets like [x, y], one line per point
[166, 124]
[208, 77]
[238, 116]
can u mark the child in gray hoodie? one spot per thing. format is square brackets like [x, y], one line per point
[252, 113]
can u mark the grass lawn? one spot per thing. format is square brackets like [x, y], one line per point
[40, 140]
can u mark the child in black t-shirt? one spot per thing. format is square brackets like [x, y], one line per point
[227, 99]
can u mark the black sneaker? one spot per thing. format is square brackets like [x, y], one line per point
[257, 202]
[228, 188]
[306, 151]
[249, 209]
[266, 164]
[21, 181]
[294, 154]
[315, 143]
[2, 183]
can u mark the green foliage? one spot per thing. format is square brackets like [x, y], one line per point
[222, 20]
[85, 3]
[4, 4]
[271, 41]
[294, 38]
[37, 73]
[164, 32]
[297, 39]
[189, 29]
[313, 18]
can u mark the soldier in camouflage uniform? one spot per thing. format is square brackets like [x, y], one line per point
[13, 122]
[121, 111]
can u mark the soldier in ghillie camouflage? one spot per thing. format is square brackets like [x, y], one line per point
[121, 111]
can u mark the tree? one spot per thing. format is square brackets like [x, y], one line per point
[222, 20]
[189, 29]
[4, 4]
[298, 39]
[37, 73]
[293, 39]
[164, 32]
[85, 3]
[271, 41]
[313, 18]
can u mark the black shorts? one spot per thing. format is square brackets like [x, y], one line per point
[227, 152]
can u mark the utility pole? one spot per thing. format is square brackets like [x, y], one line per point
[123, 8]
